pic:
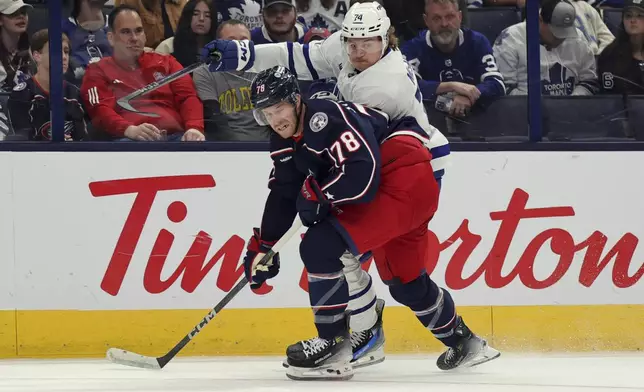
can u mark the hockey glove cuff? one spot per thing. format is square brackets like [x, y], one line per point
[257, 273]
[228, 55]
[312, 205]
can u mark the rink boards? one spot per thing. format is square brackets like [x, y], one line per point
[540, 250]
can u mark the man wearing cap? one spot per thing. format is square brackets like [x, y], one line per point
[567, 63]
[14, 44]
[280, 24]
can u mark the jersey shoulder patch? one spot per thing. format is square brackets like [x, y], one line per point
[318, 121]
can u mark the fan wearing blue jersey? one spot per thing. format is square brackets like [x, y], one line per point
[280, 23]
[453, 62]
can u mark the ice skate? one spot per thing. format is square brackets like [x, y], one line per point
[368, 346]
[471, 350]
[320, 359]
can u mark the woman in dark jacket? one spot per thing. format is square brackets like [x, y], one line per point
[621, 64]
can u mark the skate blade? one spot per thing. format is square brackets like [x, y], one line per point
[336, 372]
[486, 355]
[372, 358]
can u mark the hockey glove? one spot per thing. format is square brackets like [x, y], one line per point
[235, 55]
[311, 203]
[255, 273]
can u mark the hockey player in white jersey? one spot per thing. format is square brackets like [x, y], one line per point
[372, 72]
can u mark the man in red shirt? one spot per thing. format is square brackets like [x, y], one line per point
[130, 68]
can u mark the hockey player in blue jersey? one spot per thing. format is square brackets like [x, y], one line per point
[361, 183]
[453, 62]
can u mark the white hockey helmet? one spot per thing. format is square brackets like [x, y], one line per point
[365, 20]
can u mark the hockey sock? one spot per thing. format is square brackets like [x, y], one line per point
[329, 295]
[362, 296]
[432, 305]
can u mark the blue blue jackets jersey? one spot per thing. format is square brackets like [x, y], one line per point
[472, 62]
[260, 35]
[85, 46]
[340, 146]
[247, 11]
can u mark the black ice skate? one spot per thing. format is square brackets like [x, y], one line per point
[320, 359]
[368, 346]
[470, 350]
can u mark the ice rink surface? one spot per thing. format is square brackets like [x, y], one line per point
[511, 372]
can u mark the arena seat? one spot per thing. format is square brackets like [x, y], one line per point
[505, 119]
[613, 18]
[587, 118]
[491, 21]
[635, 112]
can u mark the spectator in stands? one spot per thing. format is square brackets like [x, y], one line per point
[504, 3]
[228, 111]
[179, 110]
[28, 104]
[159, 17]
[280, 23]
[592, 26]
[567, 63]
[195, 29]
[15, 60]
[621, 64]
[87, 32]
[247, 11]
[327, 14]
[455, 64]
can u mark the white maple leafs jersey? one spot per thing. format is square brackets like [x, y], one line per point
[318, 16]
[389, 85]
[568, 69]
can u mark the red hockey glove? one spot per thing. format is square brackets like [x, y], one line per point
[311, 204]
[255, 273]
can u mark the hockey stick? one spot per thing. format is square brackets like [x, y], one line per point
[124, 102]
[124, 357]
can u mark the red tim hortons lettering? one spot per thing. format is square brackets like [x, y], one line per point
[561, 244]
[192, 266]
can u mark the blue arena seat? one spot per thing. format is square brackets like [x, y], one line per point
[612, 18]
[505, 119]
[599, 117]
[635, 111]
[491, 21]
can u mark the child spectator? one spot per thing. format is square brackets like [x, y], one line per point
[621, 64]
[195, 29]
[457, 64]
[280, 23]
[29, 108]
[228, 111]
[159, 17]
[179, 110]
[87, 32]
[327, 14]
[248, 12]
[15, 60]
[567, 63]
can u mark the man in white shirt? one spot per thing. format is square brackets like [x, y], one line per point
[567, 62]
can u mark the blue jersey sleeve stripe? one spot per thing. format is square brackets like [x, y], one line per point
[440, 151]
[291, 59]
[309, 64]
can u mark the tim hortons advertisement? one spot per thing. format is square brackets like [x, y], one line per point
[168, 230]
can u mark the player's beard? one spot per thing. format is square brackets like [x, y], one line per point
[445, 37]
